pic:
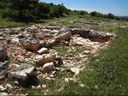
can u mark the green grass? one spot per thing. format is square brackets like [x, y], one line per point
[105, 74]
[5, 23]
[62, 50]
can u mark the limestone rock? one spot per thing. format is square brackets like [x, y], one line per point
[79, 41]
[22, 71]
[48, 67]
[45, 30]
[42, 51]
[8, 86]
[32, 45]
[4, 94]
[52, 27]
[65, 36]
[2, 88]
[70, 79]
[76, 71]
[15, 41]
[45, 58]
[82, 85]
[87, 52]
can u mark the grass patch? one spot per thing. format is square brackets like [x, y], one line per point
[5, 23]
[32, 92]
[62, 50]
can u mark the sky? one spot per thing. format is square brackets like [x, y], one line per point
[117, 7]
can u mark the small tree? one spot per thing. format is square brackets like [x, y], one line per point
[94, 13]
[110, 16]
[82, 12]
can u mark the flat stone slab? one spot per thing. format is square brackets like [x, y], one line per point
[22, 71]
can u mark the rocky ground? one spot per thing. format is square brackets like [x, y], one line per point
[31, 54]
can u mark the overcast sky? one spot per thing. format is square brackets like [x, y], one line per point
[117, 7]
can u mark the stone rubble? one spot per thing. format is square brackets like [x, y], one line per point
[30, 53]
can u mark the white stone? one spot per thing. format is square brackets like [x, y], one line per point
[16, 82]
[82, 85]
[42, 51]
[44, 86]
[60, 89]
[8, 86]
[2, 88]
[70, 79]
[15, 40]
[66, 80]
[75, 70]
[45, 30]
[87, 52]
[79, 41]
[38, 87]
[48, 67]
[4, 94]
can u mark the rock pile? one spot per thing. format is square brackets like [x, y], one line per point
[31, 55]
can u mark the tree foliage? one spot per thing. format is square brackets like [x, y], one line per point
[27, 10]
[98, 14]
